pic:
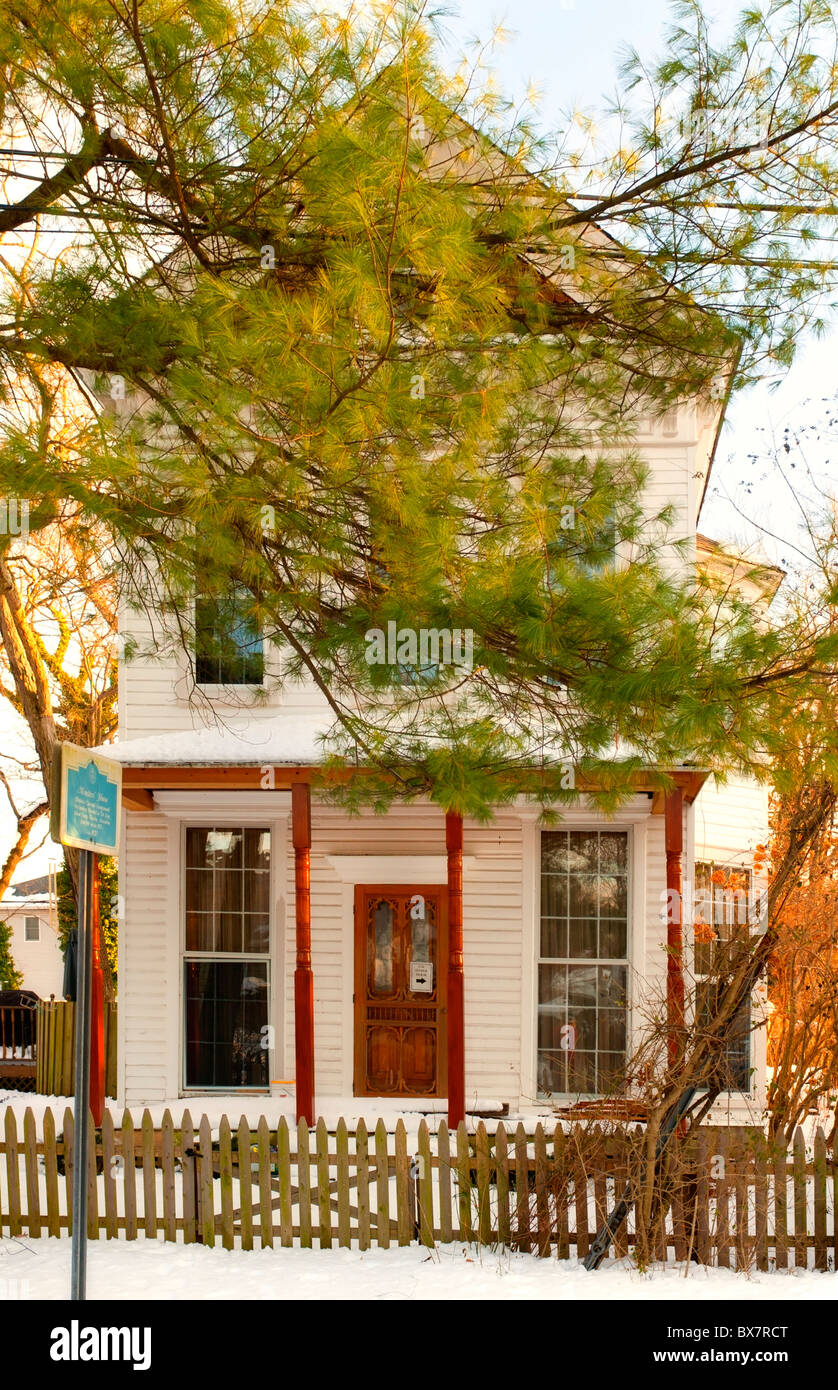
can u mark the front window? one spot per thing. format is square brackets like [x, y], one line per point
[723, 900]
[228, 640]
[583, 962]
[31, 929]
[226, 960]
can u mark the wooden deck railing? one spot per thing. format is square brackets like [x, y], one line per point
[17, 1046]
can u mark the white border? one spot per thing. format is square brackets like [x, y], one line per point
[634, 823]
[183, 809]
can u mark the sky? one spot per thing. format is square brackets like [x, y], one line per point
[569, 51]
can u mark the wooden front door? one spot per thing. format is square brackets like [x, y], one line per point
[401, 972]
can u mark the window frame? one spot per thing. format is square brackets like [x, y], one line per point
[235, 821]
[219, 686]
[26, 921]
[628, 831]
[748, 1091]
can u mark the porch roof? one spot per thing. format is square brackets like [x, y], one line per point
[288, 740]
[228, 758]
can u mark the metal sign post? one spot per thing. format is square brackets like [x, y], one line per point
[85, 813]
[81, 1106]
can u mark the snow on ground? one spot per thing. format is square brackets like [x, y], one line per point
[148, 1269]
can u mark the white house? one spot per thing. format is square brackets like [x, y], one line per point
[268, 938]
[29, 909]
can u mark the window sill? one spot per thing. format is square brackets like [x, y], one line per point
[219, 1091]
[213, 688]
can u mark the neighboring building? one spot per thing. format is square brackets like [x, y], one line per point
[564, 930]
[29, 909]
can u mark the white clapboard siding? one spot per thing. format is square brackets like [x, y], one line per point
[149, 988]
[157, 694]
[41, 962]
[730, 820]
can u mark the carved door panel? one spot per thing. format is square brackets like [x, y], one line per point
[401, 959]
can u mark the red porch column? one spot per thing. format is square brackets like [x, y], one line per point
[456, 1006]
[303, 977]
[674, 839]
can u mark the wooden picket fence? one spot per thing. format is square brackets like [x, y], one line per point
[54, 1049]
[291, 1185]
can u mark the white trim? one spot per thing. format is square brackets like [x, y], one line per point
[222, 805]
[530, 871]
[279, 906]
[176, 927]
[633, 826]
[636, 946]
[734, 1105]
[394, 868]
[174, 967]
[121, 948]
[248, 694]
[347, 1028]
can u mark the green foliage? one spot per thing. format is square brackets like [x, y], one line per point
[108, 890]
[377, 351]
[10, 976]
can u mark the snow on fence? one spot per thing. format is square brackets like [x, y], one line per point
[735, 1204]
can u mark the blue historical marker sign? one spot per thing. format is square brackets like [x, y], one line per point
[90, 800]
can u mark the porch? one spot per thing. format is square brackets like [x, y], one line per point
[430, 1010]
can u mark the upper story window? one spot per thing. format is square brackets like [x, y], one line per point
[31, 929]
[228, 640]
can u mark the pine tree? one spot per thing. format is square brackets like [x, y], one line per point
[367, 347]
[10, 976]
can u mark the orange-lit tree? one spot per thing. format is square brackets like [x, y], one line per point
[803, 984]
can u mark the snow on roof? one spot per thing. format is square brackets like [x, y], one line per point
[292, 739]
[31, 887]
